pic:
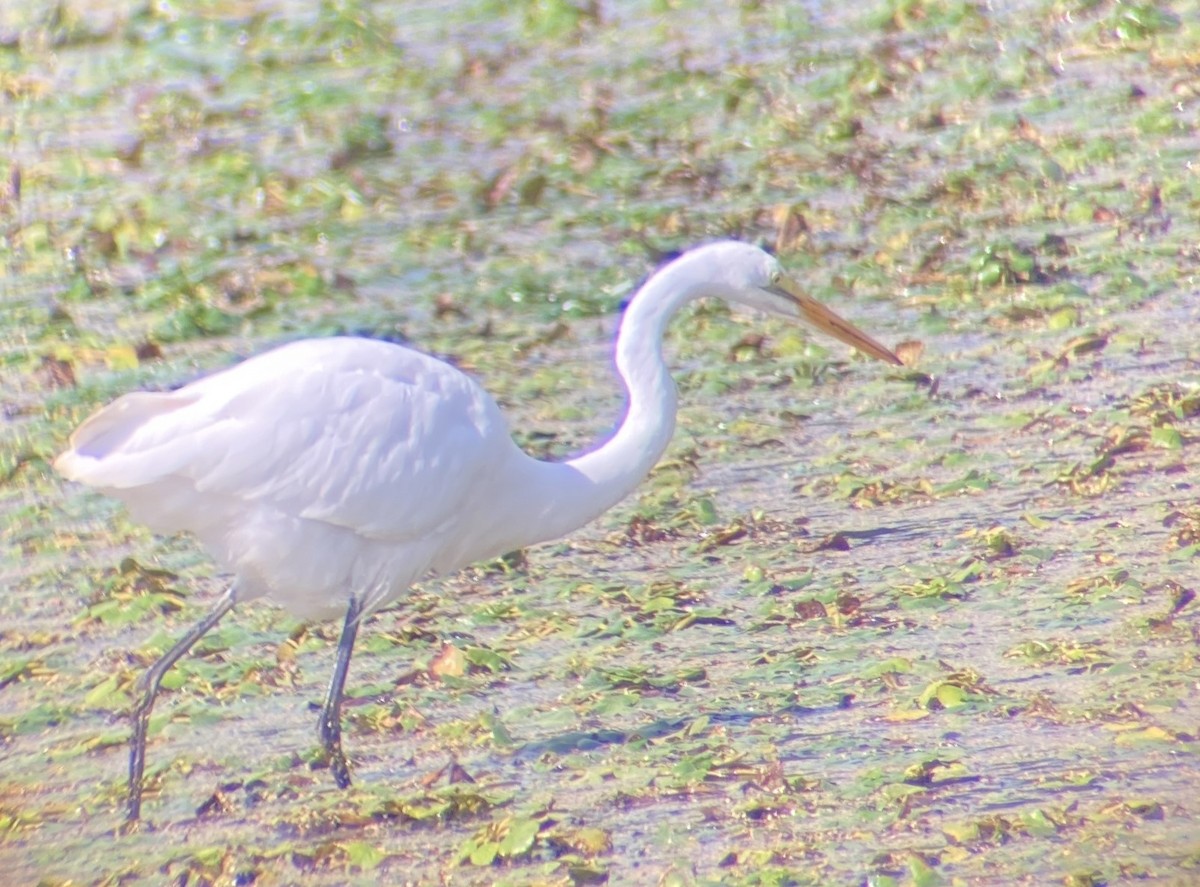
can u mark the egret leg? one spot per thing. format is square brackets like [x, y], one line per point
[151, 681]
[329, 729]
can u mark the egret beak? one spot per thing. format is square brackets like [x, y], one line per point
[817, 315]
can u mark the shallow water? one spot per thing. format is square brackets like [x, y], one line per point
[985, 682]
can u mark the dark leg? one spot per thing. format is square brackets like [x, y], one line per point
[329, 730]
[151, 682]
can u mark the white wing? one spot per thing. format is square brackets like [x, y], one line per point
[353, 434]
[380, 439]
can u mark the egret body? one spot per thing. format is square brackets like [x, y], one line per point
[328, 475]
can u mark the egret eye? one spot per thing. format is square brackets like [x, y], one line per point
[775, 277]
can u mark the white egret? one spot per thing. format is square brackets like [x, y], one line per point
[328, 475]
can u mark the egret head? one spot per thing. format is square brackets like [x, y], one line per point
[746, 274]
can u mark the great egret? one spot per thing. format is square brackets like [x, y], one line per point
[330, 474]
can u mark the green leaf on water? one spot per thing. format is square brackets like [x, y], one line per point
[501, 737]
[945, 694]
[1166, 437]
[520, 838]
[14, 669]
[894, 665]
[1062, 319]
[107, 695]
[704, 511]
[363, 855]
[694, 768]
[1036, 822]
[481, 657]
[922, 873]
[973, 480]
[961, 832]
[484, 853]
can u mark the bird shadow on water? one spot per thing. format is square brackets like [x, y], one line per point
[899, 531]
[590, 740]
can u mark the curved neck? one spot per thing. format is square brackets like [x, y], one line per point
[619, 464]
[570, 494]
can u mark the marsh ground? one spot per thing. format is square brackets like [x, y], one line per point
[855, 628]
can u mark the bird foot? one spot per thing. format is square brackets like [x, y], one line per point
[335, 759]
[133, 827]
[341, 772]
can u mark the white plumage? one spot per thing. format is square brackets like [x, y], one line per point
[360, 484]
[329, 475]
